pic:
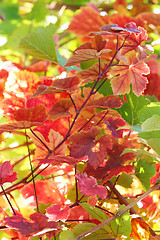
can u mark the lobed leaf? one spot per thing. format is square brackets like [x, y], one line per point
[40, 44]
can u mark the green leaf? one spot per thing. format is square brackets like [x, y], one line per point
[39, 11]
[151, 124]
[119, 226]
[144, 171]
[129, 110]
[94, 212]
[148, 111]
[69, 235]
[125, 180]
[40, 44]
[141, 152]
[154, 143]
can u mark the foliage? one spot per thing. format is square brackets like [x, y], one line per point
[80, 122]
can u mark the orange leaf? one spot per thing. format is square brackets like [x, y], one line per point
[133, 73]
[85, 21]
[60, 109]
[84, 55]
[54, 139]
[40, 66]
[92, 73]
[35, 114]
[99, 43]
[87, 144]
[18, 125]
[109, 101]
[140, 229]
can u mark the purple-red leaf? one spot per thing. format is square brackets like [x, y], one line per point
[55, 213]
[89, 186]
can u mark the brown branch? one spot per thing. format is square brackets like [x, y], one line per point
[119, 213]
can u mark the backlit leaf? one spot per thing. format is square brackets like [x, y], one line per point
[55, 213]
[89, 186]
[144, 171]
[60, 109]
[6, 173]
[35, 114]
[92, 73]
[40, 44]
[25, 227]
[18, 125]
[85, 143]
[132, 73]
[84, 55]
[113, 125]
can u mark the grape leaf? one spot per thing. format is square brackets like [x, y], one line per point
[85, 143]
[89, 186]
[6, 173]
[144, 171]
[132, 73]
[55, 213]
[40, 44]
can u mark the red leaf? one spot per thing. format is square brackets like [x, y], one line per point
[86, 143]
[115, 159]
[113, 124]
[85, 21]
[6, 173]
[40, 66]
[133, 73]
[52, 192]
[25, 227]
[60, 109]
[55, 212]
[89, 186]
[35, 114]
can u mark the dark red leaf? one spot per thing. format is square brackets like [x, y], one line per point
[113, 124]
[86, 143]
